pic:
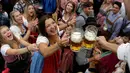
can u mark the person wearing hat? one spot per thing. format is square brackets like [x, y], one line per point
[87, 11]
[113, 21]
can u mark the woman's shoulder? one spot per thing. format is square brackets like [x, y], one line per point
[4, 45]
[42, 39]
[41, 36]
[4, 48]
[14, 27]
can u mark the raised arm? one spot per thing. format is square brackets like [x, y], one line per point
[106, 45]
[46, 49]
[23, 42]
[7, 50]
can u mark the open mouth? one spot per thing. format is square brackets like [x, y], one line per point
[31, 13]
[9, 35]
[52, 31]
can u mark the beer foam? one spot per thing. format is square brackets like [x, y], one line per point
[76, 37]
[90, 36]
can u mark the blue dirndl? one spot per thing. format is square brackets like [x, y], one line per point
[37, 63]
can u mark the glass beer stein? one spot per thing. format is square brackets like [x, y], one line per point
[76, 39]
[90, 36]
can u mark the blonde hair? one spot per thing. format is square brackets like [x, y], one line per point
[29, 18]
[1, 38]
[105, 1]
[12, 19]
[2, 41]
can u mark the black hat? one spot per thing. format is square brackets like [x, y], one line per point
[118, 3]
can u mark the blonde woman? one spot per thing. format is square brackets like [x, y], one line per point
[17, 59]
[107, 4]
[30, 13]
[31, 19]
[17, 25]
[105, 7]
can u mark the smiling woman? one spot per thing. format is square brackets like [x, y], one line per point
[18, 27]
[68, 17]
[49, 44]
[17, 58]
[30, 18]
[7, 34]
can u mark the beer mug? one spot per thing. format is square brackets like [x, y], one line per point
[76, 39]
[90, 36]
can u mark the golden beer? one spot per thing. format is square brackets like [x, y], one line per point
[76, 39]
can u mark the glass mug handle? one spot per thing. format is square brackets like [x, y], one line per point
[105, 27]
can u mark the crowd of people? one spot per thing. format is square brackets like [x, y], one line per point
[64, 36]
